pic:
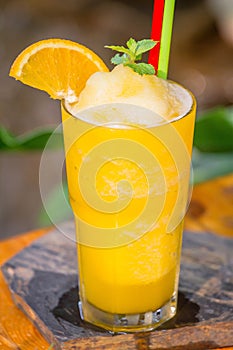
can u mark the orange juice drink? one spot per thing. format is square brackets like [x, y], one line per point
[128, 147]
[128, 141]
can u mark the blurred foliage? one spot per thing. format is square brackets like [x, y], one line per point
[54, 210]
[213, 133]
[33, 140]
[213, 144]
[212, 153]
[208, 166]
[214, 130]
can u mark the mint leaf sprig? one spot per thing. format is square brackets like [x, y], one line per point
[132, 53]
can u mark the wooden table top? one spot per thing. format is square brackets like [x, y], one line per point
[211, 210]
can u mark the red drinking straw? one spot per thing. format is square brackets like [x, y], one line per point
[162, 31]
[157, 22]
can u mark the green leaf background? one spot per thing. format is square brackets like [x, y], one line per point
[33, 140]
[212, 152]
[214, 130]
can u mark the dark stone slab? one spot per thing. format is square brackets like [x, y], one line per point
[43, 282]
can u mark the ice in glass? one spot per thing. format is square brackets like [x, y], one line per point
[128, 146]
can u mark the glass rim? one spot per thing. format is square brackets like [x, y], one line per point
[135, 125]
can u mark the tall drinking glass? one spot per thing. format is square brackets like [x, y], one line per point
[128, 177]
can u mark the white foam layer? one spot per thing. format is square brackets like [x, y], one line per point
[120, 115]
[122, 98]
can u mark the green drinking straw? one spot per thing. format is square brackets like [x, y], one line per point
[166, 35]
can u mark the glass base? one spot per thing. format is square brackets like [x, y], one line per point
[126, 323]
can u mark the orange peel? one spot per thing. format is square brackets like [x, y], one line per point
[58, 66]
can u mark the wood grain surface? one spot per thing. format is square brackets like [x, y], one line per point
[211, 207]
[174, 339]
[211, 210]
[16, 331]
[43, 282]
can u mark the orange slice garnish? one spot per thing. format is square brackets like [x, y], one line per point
[59, 67]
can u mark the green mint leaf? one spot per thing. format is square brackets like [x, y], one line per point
[132, 53]
[119, 59]
[118, 49]
[138, 58]
[131, 44]
[141, 68]
[144, 46]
